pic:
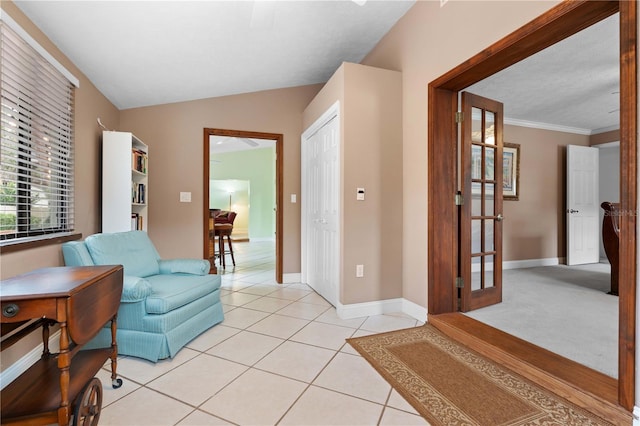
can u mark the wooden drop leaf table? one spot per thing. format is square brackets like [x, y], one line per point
[61, 387]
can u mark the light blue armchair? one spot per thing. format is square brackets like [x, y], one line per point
[164, 304]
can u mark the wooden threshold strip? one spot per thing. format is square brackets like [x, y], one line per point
[583, 386]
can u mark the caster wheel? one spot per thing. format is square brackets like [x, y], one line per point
[88, 404]
[116, 383]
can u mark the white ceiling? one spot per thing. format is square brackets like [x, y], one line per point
[141, 53]
[572, 86]
[222, 144]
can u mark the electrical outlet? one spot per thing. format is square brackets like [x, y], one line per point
[359, 271]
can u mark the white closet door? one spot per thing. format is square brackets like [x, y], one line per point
[322, 195]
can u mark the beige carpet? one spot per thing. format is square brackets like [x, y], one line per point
[449, 384]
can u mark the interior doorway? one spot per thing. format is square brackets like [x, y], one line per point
[558, 23]
[243, 135]
[541, 236]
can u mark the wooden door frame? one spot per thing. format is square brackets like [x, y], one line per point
[558, 23]
[278, 138]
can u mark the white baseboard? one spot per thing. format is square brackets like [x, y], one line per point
[12, 372]
[365, 309]
[291, 278]
[532, 263]
[636, 416]
[519, 264]
[414, 310]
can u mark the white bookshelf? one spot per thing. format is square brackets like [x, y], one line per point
[124, 182]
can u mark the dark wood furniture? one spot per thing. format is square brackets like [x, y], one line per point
[61, 387]
[611, 240]
[211, 255]
[223, 227]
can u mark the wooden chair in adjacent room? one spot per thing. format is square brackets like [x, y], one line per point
[223, 227]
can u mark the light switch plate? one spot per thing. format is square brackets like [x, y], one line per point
[185, 197]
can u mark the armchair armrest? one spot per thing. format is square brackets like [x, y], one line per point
[135, 289]
[186, 266]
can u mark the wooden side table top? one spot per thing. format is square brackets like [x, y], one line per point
[52, 282]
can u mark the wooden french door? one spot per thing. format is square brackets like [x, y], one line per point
[481, 212]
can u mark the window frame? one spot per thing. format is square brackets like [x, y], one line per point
[58, 185]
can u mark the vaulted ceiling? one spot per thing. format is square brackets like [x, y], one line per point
[141, 53]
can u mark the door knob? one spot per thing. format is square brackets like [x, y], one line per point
[499, 218]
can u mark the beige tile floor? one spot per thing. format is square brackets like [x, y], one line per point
[279, 357]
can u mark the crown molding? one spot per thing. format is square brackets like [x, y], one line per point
[546, 126]
[557, 128]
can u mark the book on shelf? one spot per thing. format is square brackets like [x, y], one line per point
[136, 222]
[139, 160]
[138, 193]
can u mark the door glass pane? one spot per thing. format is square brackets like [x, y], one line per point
[476, 162]
[489, 199]
[476, 236]
[476, 199]
[488, 235]
[488, 271]
[476, 125]
[489, 131]
[489, 156]
[476, 277]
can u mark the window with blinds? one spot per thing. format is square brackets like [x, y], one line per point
[36, 153]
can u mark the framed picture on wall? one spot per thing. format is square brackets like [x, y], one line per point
[511, 171]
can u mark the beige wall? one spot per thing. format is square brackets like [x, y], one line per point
[174, 133]
[427, 42]
[371, 158]
[534, 226]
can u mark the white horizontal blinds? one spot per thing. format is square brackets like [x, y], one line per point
[36, 153]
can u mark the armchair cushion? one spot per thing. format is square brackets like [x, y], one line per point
[76, 254]
[170, 293]
[135, 289]
[187, 266]
[132, 249]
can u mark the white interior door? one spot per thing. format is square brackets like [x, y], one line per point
[583, 211]
[321, 218]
